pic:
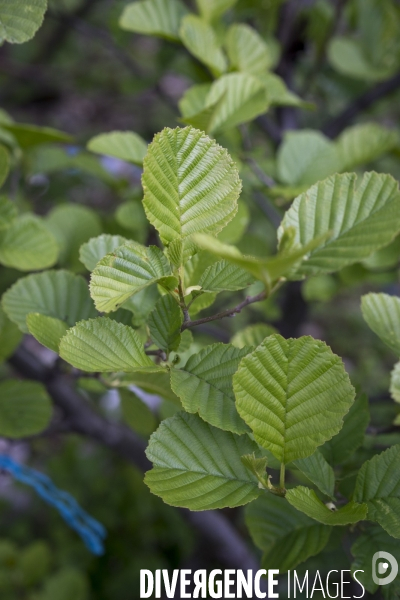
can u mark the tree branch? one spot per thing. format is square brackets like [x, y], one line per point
[229, 312]
[336, 125]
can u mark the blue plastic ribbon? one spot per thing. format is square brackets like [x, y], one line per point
[91, 531]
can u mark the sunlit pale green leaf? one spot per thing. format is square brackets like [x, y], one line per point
[378, 484]
[252, 335]
[247, 50]
[165, 324]
[224, 276]
[20, 19]
[154, 17]
[293, 394]
[104, 345]
[362, 216]
[278, 93]
[318, 471]
[212, 9]
[194, 99]
[395, 383]
[286, 536]
[126, 271]
[198, 466]
[47, 330]
[307, 501]
[200, 39]
[96, 249]
[191, 185]
[27, 245]
[382, 313]
[204, 385]
[361, 144]
[57, 294]
[234, 231]
[126, 145]
[25, 408]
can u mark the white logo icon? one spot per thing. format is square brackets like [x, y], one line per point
[383, 568]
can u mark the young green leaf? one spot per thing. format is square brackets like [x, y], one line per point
[378, 484]
[103, 345]
[125, 272]
[252, 335]
[318, 471]
[28, 135]
[247, 50]
[47, 330]
[395, 383]
[27, 245]
[286, 536]
[257, 466]
[190, 185]
[57, 294]
[338, 449]
[205, 385]
[25, 408]
[382, 314]
[200, 39]
[165, 323]
[363, 143]
[347, 57]
[157, 383]
[154, 17]
[307, 501]
[126, 145]
[293, 394]
[213, 9]
[10, 336]
[96, 249]
[20, 19]
[197, 466]
[8, 213]
[136, 413]
[223, 276]
[4, 166]
[361, 218]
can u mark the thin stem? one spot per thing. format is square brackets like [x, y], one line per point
[185, 309]
[282, 477]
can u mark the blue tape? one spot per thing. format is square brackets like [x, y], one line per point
[91, 531]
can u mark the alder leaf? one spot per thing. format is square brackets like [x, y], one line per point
[201, 41]
[58, 294]
[252, 335]
[286, 536]
[105, 346]
[223, 276]
[4, 168]
[362, 219]
[27, 245]
[20, 19]
[213, 9]
[126, 271]
[318, 471]
[363, 143]
[28, 135]
[307, 501]
[125, 145]
[10, 336]
[8, 212]
[25, 408]
[154, 17]
[395, 383]
[293, 394]
[136, 413]
[165, 324]
[190, 185]
[378, 484]
[204, 385]
[96, 248]
[247, 50]
[382, 314]
[47, 330]
[198, 466]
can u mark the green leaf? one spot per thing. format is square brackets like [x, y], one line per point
[318, 471]
[57, 294]
[4, 164]
[234, 231]
[223, 276]
[194, 99]
[378, 484]
[154, 17]
[136, 413]
[103, 345]
[20, 19]
[395, 383]
[293, 394]
[165, 323]
[125, 272]
[277, 92]
[27, 245]
[361, 144]
[47, 330]
[25, 408]
[361, 219]
[32, 135]
[199, 38]
[126, 145]
[205, 385]
[382, 314]
[252, 335]
[157, 383]
[130, 215]
[247, 50]
[347, 57]
[96, 249]
[213, 9]
[191, 185]
[10, 336]
[198, 466]
[287, 536]
[8, 213]
[307, 501]
[72, 225]
[341, 447]
[257, 466]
